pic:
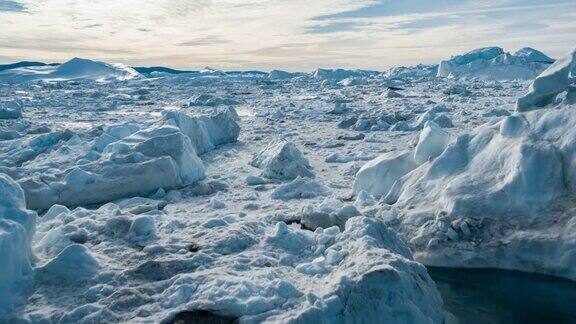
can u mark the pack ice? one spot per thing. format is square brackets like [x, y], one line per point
[155, 207]
[279, 197]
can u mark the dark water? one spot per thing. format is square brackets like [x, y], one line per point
[500, 296]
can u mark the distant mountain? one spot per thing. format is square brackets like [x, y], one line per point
[24, 64]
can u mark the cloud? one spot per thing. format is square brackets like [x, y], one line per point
[13, 6]
[293, 35]
[334, 28]
[203, 41]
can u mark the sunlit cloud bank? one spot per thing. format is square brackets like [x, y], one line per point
[293, 35]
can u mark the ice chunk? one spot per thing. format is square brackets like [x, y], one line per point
[377, 176]
[549, 84]
[337, 74]
[300, 188]
[431, 142]
[325, 216]
[74, 263]
[142, 228]
[16, 272]
[339, 108]
[16, 229]
[159, 157]
[11, 109]
[532, 55]
[53, 212]
[207, 132]
[359, 264]
[282, 160]
[210, 101]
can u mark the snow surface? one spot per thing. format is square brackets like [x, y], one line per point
[277, 198]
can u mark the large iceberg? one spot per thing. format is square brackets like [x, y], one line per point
[493, 63]
[499, 196]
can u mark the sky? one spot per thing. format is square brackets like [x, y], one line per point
[294, 35]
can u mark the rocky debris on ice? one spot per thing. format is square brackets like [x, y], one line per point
[495, 196]
[75, 69]
[11, 109]
[282, 160]
[546, 87]
[17, 226]
[493, 63]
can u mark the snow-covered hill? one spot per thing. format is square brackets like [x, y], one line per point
[75, 69]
